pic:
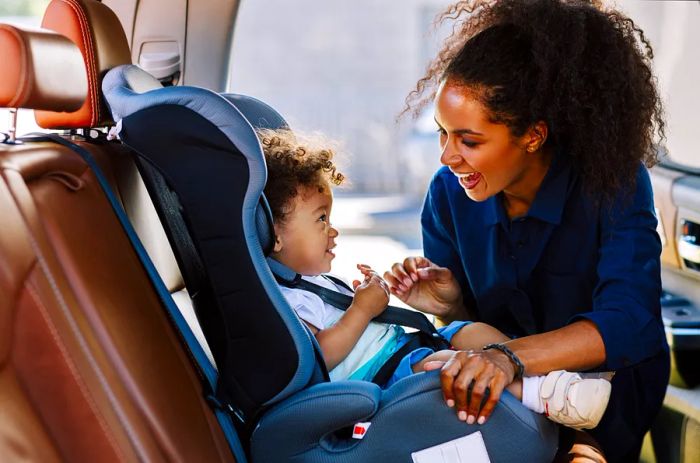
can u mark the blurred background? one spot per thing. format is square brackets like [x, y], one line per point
[345, 68]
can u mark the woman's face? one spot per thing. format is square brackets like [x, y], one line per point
[485, 156]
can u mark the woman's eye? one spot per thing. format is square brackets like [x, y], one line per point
[470, 144]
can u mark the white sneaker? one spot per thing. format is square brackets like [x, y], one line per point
[574, 401]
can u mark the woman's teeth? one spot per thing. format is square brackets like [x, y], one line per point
[469, 180]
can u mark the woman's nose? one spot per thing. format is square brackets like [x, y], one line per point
[448, 155]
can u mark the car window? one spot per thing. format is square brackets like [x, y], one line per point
[344, 69]
[23, 13]
[672, 28]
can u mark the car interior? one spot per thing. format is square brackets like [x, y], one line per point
[125, 337]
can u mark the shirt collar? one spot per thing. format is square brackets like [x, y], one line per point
[550, 199]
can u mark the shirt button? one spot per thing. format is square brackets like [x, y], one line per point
[521, 243]
[512, 257]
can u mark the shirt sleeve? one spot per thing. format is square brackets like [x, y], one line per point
[626, 300]
[308, 306]
[438, 244]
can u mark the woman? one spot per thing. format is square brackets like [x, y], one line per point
[541, 222]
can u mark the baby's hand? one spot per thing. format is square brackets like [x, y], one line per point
[371, 295]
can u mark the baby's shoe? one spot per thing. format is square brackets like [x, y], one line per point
[574, 401]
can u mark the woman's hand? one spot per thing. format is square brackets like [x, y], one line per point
[475, 370]
[427, 287]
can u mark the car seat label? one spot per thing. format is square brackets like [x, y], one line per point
[467, 449]
[360, 429]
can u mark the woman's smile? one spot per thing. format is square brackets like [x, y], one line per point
[470, 180]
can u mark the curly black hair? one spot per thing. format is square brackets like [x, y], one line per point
[294, 162]
[584, 71]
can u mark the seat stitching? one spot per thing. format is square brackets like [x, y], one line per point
[79, 337]
[89, 59]
[73, 369]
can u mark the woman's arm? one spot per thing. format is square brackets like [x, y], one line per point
[574, 347]
[436, 283]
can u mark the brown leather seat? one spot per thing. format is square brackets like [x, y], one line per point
[101, 40]
[90, 368]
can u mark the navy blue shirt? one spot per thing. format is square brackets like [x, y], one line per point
[567, 259]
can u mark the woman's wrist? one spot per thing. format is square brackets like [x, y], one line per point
[518, 366]
[452, 312]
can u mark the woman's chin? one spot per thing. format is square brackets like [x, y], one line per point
[477, 196]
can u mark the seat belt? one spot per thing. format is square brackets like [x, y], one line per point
[392, 315]
[426, 336]
[205, 369]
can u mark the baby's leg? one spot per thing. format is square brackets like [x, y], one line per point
[439, 356]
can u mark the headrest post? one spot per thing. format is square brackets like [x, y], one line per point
[13, 126]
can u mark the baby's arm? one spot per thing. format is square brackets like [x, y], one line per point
[371, 298]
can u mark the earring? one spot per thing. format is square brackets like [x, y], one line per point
[531, 149]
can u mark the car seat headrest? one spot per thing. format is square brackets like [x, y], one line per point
[134, 80]
[97, 32]
[259, 114]
[41, 70]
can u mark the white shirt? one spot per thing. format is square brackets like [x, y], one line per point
[378, 342]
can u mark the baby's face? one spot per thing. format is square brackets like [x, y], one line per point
[307, 237]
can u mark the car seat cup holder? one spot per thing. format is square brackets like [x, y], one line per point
[682, 325]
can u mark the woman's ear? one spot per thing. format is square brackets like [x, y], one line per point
[536, 136]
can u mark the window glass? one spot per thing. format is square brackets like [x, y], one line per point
[672, 28]
[22, 13]
[344, 68]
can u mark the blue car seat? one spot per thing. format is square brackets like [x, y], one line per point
[205, 171]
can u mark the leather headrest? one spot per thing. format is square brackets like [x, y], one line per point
[41, 70]
[99, 35]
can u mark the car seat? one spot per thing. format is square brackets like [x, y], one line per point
[205, 149]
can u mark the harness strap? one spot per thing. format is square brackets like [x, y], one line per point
[426, 336]
[208, 374]
[392, 315]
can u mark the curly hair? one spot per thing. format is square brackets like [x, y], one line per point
[295, 162]
[584, 71]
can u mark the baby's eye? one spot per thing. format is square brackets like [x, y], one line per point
[323, 218]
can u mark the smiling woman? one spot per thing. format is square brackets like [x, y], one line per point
[548, 110]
